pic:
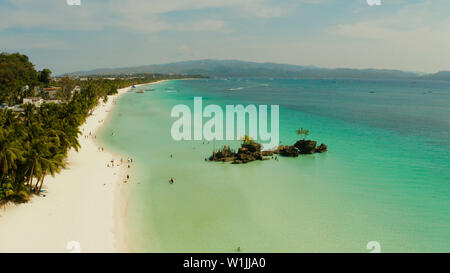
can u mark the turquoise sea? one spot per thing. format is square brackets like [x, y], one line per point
[385, 178]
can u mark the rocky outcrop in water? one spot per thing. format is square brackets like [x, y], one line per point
[267, 153]
[224, 155]
[251, 151]
[306, 146]
[309, 147]
[285, 150]
[248, 152]
[322, 148]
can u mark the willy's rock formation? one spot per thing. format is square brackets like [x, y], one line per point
[251, 151]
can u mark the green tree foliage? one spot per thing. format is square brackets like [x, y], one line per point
[35, 143]
[44, 77]
[67, 85]
[18, 77]
[304, 132]
[246, 139]
[16, 72]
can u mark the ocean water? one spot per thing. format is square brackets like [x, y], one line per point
[385, 178]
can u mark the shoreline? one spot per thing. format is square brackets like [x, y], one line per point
[83, 205]
[120, 195]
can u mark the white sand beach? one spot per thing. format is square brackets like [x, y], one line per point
[83, 205]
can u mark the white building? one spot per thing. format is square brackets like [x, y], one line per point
[37, 101]
[53, 101]
[76, 89]
[51, 91]
[37, 90]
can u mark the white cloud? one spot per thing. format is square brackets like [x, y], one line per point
[136, 15]
[416, 37]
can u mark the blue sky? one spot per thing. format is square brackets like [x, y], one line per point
[410, 35]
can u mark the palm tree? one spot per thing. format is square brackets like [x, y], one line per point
[304, 132]
[246, 139]
[28, 115]
[53, 165]
[36, 159]
[35, 143]
[8, 119]
[10, 153]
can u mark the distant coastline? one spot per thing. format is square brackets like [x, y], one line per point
[243, 69]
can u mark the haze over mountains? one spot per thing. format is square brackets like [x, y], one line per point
[242, 69]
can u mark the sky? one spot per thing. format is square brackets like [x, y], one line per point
[412, 35]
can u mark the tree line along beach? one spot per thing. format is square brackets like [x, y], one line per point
[63, 178]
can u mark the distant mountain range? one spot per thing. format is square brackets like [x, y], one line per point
[440, 76]
[235, 68]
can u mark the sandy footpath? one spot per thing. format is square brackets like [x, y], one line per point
[82, 205]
